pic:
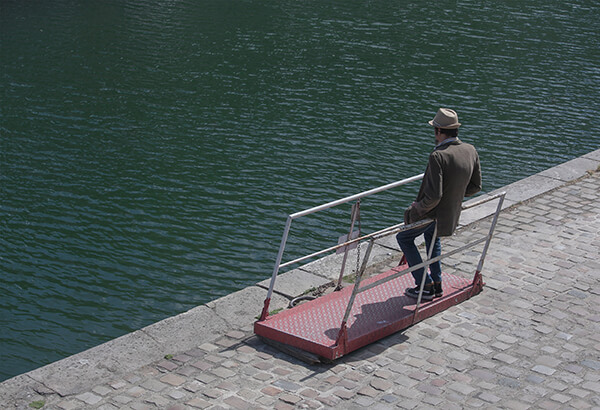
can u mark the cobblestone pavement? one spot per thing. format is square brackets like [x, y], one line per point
[531, 339]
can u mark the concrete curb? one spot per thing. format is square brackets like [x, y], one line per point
[204, 324]
[534, 185]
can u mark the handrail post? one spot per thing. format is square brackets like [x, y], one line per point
[425, 268]
[343, 335]
[478, 278]
[286, 231]
[355, 213]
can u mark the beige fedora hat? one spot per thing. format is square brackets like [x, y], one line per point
[445, 118]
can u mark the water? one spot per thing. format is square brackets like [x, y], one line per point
[151, 150]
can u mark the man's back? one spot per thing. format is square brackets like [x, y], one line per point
[452, 173]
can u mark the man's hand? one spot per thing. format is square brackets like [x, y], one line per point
[407, 218]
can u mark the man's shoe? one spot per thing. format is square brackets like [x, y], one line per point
[414, 292]
[437, 289]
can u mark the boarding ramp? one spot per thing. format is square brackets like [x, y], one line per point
[354, 316]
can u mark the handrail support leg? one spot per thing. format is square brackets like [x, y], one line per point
[425, 268]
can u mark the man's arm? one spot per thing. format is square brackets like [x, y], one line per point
[432, 191]
[475, 182]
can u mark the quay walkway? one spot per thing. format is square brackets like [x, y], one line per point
[530, 339]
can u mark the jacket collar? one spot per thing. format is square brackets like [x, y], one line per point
[447, 141]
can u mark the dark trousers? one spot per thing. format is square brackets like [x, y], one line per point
[406, 240]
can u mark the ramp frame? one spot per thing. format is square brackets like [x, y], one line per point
[320, 327]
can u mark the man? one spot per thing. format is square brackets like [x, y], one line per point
[453, 172]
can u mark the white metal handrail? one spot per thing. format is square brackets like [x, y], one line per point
[356, 196]
[313, 210]
[486, 239]
[371, 237]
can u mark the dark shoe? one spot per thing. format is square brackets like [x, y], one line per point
[414, 292]
[437, 289]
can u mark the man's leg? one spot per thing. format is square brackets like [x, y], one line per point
[406, 241]
[435, 268]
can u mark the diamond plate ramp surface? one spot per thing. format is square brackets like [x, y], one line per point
[314, 326]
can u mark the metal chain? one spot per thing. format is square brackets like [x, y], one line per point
[359, 232]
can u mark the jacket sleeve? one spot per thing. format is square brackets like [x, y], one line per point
[431, 191]
[474, 185]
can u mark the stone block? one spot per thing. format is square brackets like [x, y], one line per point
[241, 308]
[594, 155]
[294, 283]
[77, 374]
[382, 257]
[479, 212]
[186, 330]
[571, 170]
[529, 187]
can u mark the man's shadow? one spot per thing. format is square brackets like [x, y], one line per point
[377, 320]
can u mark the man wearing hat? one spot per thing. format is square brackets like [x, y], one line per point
[453, 172]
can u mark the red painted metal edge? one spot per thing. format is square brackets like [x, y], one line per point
[265, 310]
[317, 327]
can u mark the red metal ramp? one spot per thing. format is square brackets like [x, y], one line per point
[314, 326]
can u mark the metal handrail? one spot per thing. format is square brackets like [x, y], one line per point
[487, 238]
[483, 200]
[357, 239]
[309, 211]
[371, 237]
[377, 233]
[356, 196]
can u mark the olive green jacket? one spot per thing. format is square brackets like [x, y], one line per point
[453, 172]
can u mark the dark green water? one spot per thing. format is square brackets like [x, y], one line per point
[151, 150]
